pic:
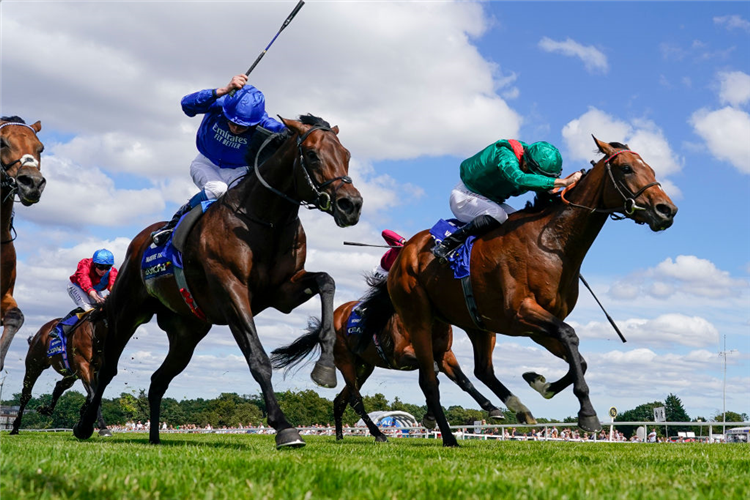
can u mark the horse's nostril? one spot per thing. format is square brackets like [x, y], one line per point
[664, 210]
[25, 180]
[345, 205]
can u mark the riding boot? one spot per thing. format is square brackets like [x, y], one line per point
[162, 235]
[476, 227]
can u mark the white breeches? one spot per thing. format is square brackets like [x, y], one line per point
[214, 180]
[81, 298]
[467, 205]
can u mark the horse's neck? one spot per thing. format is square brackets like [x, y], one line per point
[260, 202]
[573, 230]
[6, 215]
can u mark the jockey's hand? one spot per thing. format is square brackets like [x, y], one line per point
[236, 83]
[569, 180]
[96, 297]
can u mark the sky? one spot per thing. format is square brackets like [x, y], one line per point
[415, 87]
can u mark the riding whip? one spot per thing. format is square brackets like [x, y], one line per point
[355, 244]
[611, 321]
[286, 23]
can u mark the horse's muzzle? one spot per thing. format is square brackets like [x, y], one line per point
[347, 209]
[30, 187]
[662, 217]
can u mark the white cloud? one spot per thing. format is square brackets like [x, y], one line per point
[643, 136]
[593, 59]
[733, 22]
[725, 131]
[735, 88]
[77, 196]
[686, 274]
[665, 331]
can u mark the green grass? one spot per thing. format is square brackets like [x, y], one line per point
[37, 465]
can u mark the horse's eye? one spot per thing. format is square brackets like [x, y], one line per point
[312, 155]
[3, 144]
[626, 169]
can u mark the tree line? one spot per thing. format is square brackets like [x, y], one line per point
[306, 408]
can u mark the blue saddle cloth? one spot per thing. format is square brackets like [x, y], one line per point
[158, 261]
[355, 317]
[460, 259]
[58, 343]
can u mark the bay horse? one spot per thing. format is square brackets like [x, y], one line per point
[356, 362]
[85, 341]
[244, 255]
[20, 162]
[525, 279]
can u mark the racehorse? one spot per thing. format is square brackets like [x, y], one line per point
[393, 351]
[524, 276]
[84, 356]
[245, 254]
[20, 157]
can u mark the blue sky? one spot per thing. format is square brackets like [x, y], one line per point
[415, 88]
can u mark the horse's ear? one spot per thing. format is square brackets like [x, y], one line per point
[37, 126]
[335, 129]
[604, 148]
[294, 125]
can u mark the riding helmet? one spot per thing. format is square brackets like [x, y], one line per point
[544, 159]
[246, 107]
[104, 257]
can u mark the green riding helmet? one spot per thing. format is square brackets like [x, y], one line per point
[544, 159]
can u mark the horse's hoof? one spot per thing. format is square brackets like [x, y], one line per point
[339, 438]
[450, 443]
[531, 377]
[289, 438]
[156, 441]
[589, 423]
[381, 439]
[324, 376]
[105, 433]
[83, 432]
[497, 414]
[14, 432]
[429, 422]
[525, 418]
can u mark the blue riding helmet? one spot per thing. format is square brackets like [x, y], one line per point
[104, 257]
[246, 107]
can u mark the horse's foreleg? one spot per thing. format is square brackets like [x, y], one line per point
[451, 368]
[483, 344]
[120, 330]
[242, 325]
[299, 290]
[88, 379]
[545, 324]
[61, 386]
[32, 374]
[355, 399]
[12, 322]
[184, 334]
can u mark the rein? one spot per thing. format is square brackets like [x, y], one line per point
[630, 206]
[322, 199]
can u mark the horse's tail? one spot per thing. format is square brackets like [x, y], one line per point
[376, 310]
[296, 352]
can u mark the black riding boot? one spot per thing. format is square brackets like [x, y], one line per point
[476, 227]
[162, 235]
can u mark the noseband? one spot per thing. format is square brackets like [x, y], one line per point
[322, 199]
[8, 181]
[630, 205]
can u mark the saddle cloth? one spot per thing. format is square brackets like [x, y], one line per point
[460, 259]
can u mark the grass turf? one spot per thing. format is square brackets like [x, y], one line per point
[215, 466]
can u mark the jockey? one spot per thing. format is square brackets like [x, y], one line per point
[503, 169]
[228, 124]
[92, 279]
[389, 257]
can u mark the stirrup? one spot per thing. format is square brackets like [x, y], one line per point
[441, 253]
[161, 236]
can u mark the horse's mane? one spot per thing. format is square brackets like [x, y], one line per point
[14, 118]
[377, 309]
[277, 140]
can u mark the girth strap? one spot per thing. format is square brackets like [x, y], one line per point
[471, 303]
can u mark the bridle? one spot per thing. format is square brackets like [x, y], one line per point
[630, 205]
[322, 199]
[8, 181]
